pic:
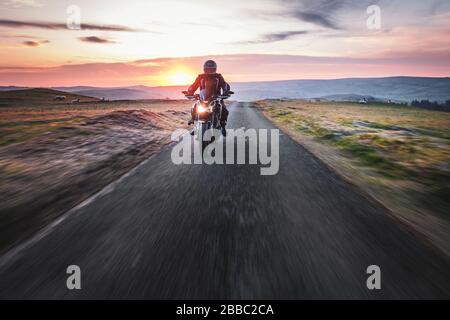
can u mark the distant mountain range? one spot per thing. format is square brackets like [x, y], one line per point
[393, 88]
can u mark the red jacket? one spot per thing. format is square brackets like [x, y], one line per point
[210, 84]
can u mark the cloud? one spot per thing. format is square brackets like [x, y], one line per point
[23, 3]
[94, 39]
[315, 18]
[322, 13]
[34, 43]
[61, 26]
[274, 37]
[318, 12]
[31, 43]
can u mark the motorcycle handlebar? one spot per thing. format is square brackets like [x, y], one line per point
[196, 96]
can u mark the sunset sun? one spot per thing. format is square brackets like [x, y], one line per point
[179, 78]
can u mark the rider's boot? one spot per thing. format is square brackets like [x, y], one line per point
[191, 122]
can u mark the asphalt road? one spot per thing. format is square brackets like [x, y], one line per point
[225, 231]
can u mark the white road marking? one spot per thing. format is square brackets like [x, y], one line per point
[15, 252]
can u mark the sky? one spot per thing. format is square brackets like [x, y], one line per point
[164, 42]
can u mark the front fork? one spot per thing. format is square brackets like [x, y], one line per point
[218, 115]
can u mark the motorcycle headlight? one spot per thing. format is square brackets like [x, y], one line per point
[201, 109]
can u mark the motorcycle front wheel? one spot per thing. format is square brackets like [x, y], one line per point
[202, 128]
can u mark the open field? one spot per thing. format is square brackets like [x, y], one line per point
[40, 96]
[54, 156]
[399, 155]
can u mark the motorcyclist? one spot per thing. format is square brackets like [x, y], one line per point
[211, 85]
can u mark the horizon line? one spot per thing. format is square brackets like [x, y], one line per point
[231, 82]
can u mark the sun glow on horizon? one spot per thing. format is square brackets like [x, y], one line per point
[178, 78]
[149, 43]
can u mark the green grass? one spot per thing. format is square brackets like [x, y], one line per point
[321, 132]
[442, 133]
[367, 155]
[22, 134]
[32, 123]
[362, 153]
[66, 133]
[383, 126]
[281, 113]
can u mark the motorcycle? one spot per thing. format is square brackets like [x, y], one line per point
[207, 115]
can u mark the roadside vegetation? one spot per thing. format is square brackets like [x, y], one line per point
[398, 154]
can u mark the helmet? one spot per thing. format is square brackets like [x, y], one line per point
[210, 66]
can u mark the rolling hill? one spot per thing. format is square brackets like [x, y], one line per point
[394, 88]
[36, 96]
[128, 93]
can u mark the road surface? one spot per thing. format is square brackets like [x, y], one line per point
[226, 232]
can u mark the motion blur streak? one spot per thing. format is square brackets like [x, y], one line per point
[225, 231]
